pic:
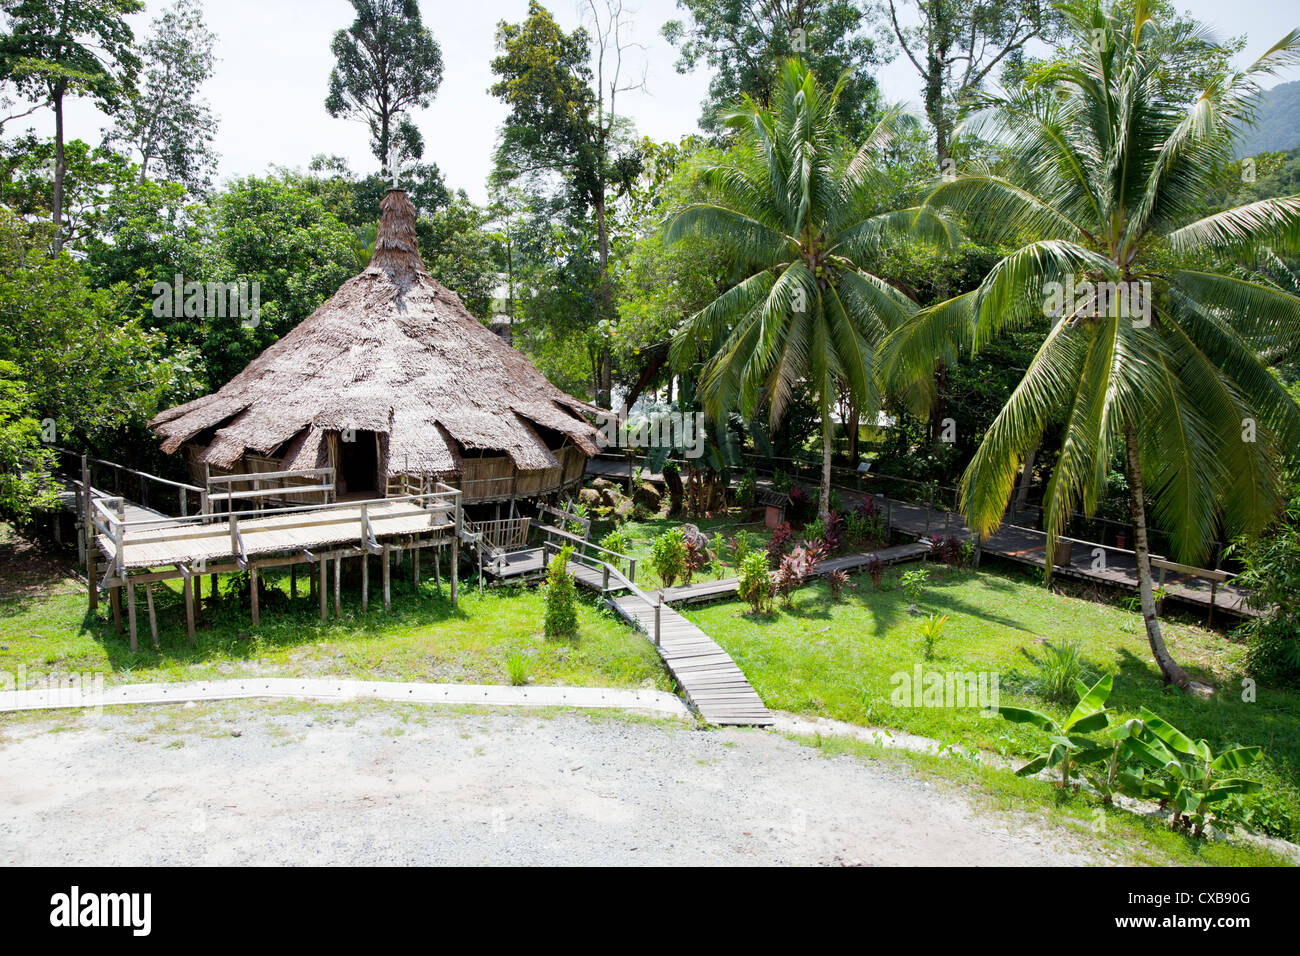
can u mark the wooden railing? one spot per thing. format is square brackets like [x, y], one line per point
[153, 490]
[109, 519]
[269, 486]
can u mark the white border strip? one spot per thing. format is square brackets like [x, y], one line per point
[488, 695]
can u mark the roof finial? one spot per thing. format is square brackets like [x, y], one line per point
[394, 169]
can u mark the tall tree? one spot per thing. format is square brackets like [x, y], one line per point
[956, 45]
[1151, 356]
[67, 48]
[795, 205]
[562, 90]
[386, 63]
[166, 123]
[744, 43]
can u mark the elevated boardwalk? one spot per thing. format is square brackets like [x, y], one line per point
[708, 677]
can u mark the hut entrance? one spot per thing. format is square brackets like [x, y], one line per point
[358, 462]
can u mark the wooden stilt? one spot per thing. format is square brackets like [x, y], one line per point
[215, 588]
[338, 600]
[365, 583]
[88, 526]
[130, 612]
[190, 582]
[415, 567]
[323, 592]
[293, 581]
[196, 583]
[115, 600]
[253, 595]
[153, 618]
[386, 574]
[437, 567]
[455, 567]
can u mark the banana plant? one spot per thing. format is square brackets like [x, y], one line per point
[1067, 747]
[1190, 779]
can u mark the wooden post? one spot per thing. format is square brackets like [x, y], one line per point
[365, 582]
[252, 595]
[455, 565]
[92, 589]
[130, 612]
[658, 607]
[415, 567]
[323, 591]
[214, 588]
[189, 584]
[437, 567]
[604, 577]
[293, 581]
[631, 570]
[153, 618]
[198, 597]
[386, 575]
[115, 601]
[338, 599]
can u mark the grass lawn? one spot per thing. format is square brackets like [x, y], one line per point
[836, 660]
[44, 626]
[641, 535]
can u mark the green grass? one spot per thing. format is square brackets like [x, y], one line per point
[46, 628]
[836, 660]
[1122, 837]
[641, 535]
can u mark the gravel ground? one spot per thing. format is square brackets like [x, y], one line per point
[258, 783]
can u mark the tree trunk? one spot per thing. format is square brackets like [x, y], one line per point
[1026, 476]
[828, 436]
[853, 424]
[60, 166]
[606, 380]
[1169, 669]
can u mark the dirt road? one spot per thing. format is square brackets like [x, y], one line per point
[260, 783]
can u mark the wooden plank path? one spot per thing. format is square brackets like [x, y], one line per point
[138, 515]
[727, 587]
[710, 680]
[1029, 546]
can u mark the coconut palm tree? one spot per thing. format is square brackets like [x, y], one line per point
[1152, 355]
[796, 207]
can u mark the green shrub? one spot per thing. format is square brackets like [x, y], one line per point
[913, 581]
[741, 545]
[931, 630]
[747, 491]
[756, 586]
[1272, 579]
[617, 542]
[517, 668]
[561, 620]
[1059, 667]
[668, 556]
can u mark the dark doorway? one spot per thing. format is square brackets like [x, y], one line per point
[358, 462]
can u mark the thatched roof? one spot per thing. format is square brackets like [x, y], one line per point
[394, 352]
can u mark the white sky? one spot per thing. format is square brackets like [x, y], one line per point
[274, 61]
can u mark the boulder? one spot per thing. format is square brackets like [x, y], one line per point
[648, 494]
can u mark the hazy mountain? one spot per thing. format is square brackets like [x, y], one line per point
[1279, 122]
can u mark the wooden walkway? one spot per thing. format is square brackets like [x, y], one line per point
[710, 680]
[197, 543]
[138, 515]
[706, 674]
[724, 588]
[1116, 567]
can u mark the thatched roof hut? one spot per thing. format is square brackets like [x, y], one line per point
[392, 382]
